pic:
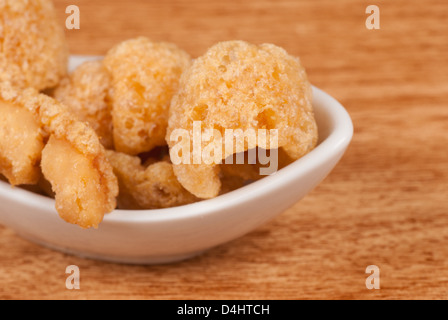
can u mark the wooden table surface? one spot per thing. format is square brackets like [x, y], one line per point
[385, 204]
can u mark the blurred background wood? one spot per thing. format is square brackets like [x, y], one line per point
[386, 202]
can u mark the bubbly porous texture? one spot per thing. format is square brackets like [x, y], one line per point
[145, 76]
[73, 143]
[101, 139]
[33, 49]
[237, 85]
[87, 94]
[147, 187]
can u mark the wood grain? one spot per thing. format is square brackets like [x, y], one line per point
[386, 202]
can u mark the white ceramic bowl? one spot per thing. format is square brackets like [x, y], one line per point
[168, 235]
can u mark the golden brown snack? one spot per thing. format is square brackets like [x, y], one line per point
[237, 85]
[152, 187]
[74, 160]
[33, 50]
[86, 93]
[81, 196]
[21, 144]
[145, 76]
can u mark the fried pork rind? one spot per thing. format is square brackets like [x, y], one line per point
[86, 93]
[73, 161]
[145, 76]
[237, 85]
[81, 197]
[21, 144]
[149, 187]
[33, 50]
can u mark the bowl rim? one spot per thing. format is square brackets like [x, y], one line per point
[337, 140]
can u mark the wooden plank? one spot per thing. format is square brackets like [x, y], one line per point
[386, 202]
